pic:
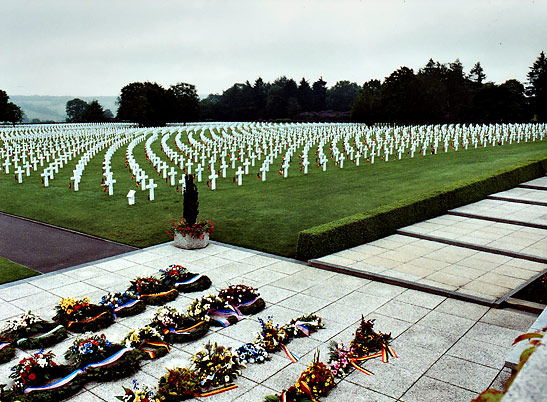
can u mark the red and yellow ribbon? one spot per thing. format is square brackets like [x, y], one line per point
[88, 320]
[217, 391]
[159, 294]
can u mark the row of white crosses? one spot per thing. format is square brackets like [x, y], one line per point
[27, 147]
[240, 147]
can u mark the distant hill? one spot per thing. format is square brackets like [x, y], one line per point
[53, 108]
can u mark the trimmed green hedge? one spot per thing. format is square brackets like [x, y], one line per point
[384, 221]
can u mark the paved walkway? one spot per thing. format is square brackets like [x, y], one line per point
[47, 248]
[483, 251]
[449, 350]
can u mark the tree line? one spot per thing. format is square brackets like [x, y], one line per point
[436, 93]
[79, 111]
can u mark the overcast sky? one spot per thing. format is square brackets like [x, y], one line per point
[95, 47]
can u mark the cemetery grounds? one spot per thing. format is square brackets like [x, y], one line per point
[279, 179]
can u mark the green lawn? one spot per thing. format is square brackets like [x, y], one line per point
[262, 216]
[10, 271]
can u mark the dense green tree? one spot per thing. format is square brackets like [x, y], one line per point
[476, 74]
[108, 114]
[93, 112]
[305, 95]
[341, 96]
[282, 99]
[398, 100]
[9, 111]
[366, 108]
[537, 87]
[210, 108]
[146, 103]
[75, 109]
[319, 89]
[260, 97]
[186, 102]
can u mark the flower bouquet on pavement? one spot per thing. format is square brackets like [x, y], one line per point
[244, 299]
[79, 315]
[214, 310]
[183, 280]
[147, 339]
[271, 337]
[123, 304]
[31, 332]
[366, 344]
[251, 353]
[178, 384]
[39, 378]
[139, 394]
[101, 360]
[216, 366]
[152, 291]
[316, 381]
[176, 327]
[303, 326]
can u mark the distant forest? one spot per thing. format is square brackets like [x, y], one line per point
[436, 93]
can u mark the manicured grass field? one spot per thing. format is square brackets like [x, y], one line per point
[10, 271]
[262, 216]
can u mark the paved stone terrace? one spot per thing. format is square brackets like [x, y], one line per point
[449, 350]
[473, 251]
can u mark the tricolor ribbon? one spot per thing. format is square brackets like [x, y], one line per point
[88, 320]
[189, 281]
[54, 385]
[57, 328]
[4, 345]
[249, 303]
[182, 331]
[126, 305]
[222, 316]
[292, 357]
[302, 327]
[112, 359]
[217, 391]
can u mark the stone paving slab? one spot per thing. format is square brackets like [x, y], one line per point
[438, 339]
[490, 235]
[523, 194]
[539, 182]
[456, 269]
[505, 210]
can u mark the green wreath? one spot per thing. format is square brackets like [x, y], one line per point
[67, 390]
[41, 335]
[159, 299]
[94, 318]
[7, 352]
[255, 307]
[187, 330]
[125, 366]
